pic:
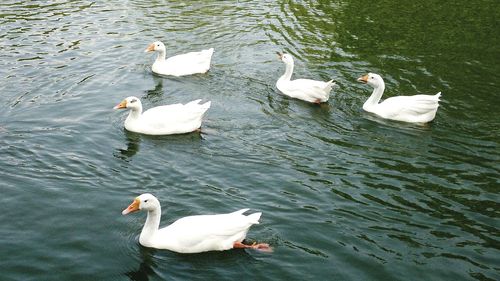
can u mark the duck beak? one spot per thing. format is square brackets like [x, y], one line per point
[363, 79]
[150, 48]
[121, 105]
[132, 207]
[280, 55]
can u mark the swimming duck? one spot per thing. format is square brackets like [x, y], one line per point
[180, 65]
[304, 89]
[163, 120]
[415, 109]
[194, 234]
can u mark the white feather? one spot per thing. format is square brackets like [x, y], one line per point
[304, 89]
[415, 109]
[194, 234]
[180, 65]
[166, 119]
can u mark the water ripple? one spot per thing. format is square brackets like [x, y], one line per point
[344, 194]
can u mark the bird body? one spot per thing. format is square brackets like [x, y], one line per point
[194, 234]
[414, 109]
[163, 120]
[180, 65]
[304, 89]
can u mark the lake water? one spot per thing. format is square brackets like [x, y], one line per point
[344, 194]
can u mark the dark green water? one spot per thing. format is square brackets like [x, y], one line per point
[344, 195]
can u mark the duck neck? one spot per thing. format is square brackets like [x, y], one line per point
[373, 100]
[134, 113]
[161, 56]
[151, 226]
[288, 72]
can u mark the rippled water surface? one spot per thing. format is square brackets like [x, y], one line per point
[344, 194]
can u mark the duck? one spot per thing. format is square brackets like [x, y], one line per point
[413, 109]
[194, 234]
[180, 65]
[304, 89]
[163, 120]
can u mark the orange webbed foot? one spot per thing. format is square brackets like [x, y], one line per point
[263, 247]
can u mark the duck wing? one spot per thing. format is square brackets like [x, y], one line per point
[309, 89]
[409, 106]
[189, 63]
[175, 118]
[208, 232]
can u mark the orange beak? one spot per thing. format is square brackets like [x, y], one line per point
[363, 79]
[121, 105]
[150, 48]
[132, 207]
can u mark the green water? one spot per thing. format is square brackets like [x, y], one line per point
[344, 194]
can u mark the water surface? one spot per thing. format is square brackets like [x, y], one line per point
[344, 194]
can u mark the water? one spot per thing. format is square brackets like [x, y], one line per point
[344, 194]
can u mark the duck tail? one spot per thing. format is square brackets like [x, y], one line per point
[206, 105]
[240, 212]
[209, 52]
[197, 103]
[329, 85]
[254, 218]
[194, 102]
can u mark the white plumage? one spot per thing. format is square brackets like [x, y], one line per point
[193, 234]
[415, 109]
[304, 89]
[163, 120]
[180, 65]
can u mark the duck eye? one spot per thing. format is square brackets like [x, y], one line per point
[132, 101]
[146, 201]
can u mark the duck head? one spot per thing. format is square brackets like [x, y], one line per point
[130, 102]
[146, 201]
[371, 79]
[155, 47]
[286, 58]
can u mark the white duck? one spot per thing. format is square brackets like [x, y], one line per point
[304, 89]
[415, 109]
[163, 120]
[180, 65]
[194, 234]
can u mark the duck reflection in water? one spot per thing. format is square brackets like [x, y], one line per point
[145, 269]
[156, 264]
[157, 91]
[133, 140]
